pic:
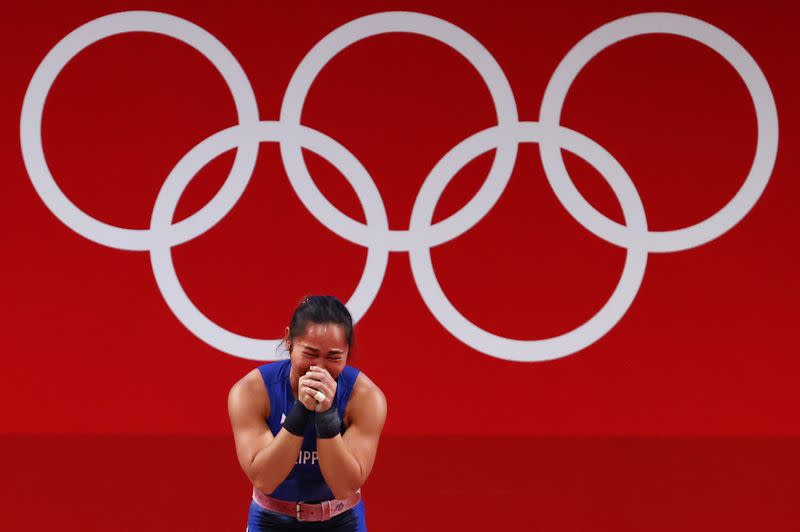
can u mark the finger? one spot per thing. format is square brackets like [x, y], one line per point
[320, 370]
[316, 385]
[329, 389]
[308, 381]
[319, 376]
[324, 390]
[305, 389]
[312, 396]
[308, 401]
[326, 382]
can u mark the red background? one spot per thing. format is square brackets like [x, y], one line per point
[683, 416]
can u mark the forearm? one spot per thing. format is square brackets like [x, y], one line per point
[272, 464]
[341, 470]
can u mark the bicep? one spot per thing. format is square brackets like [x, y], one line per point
[248, 408]
[362, 436]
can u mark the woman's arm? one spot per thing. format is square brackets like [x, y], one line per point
[266, 459]
[346, 461]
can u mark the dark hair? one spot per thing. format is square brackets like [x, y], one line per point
[321, 309]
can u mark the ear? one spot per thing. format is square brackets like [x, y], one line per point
[286, 341]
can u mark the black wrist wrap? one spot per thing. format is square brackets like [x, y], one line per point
[328, 423]
[297, 420]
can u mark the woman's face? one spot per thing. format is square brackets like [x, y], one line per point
[323, 345]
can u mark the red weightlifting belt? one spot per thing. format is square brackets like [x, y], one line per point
[303, 511]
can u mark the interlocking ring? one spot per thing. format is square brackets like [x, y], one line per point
[422, 234]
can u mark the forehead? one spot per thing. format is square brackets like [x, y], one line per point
[323, 335]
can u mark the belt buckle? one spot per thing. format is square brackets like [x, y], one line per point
[297, 508]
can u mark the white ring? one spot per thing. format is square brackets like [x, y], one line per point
[731, 51]
[399, 22]
[63, 52]
[611, 312]
[177, 181]
[319, 396]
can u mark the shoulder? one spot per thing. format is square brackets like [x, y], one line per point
[252, 381]
[366, 386]
[367, 396]
[249, 393]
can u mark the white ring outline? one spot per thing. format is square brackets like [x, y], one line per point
[177, 181]
[730, 50]
[42, 81]
[399, 22]
[613, 309]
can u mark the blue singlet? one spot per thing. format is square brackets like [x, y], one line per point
[305, 483]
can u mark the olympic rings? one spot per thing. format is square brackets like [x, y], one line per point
[422, 234]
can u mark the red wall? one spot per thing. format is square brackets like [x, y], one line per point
[700, 369]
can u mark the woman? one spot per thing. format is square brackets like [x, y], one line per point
[307, 428]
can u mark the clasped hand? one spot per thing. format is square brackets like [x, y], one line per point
[316, 380]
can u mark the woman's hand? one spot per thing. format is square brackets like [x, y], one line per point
[305, 394]
[317, 379]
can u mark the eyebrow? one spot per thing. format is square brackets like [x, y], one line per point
[331, 352]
